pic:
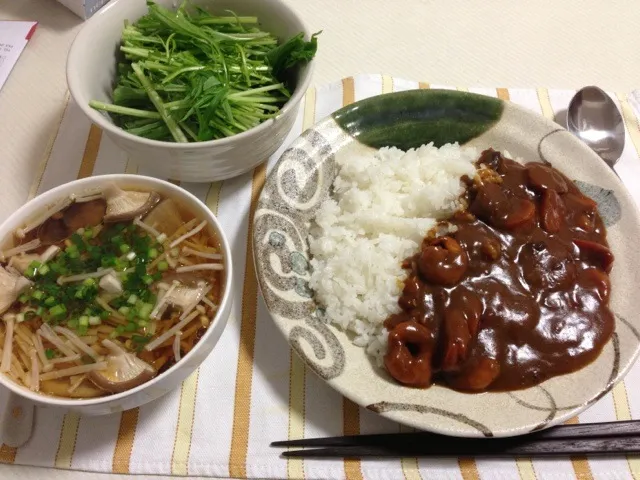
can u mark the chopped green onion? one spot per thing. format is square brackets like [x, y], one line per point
[38, 294]
[77, 240]
[131, 327]
[132, 299]
[108, 261]
[24, 298]
[123, 310]
[147, 279]
[49, 353]
[50, 301]
[145, 310]
[94, 320]
[56, 267]
[73, 323]
[35, 264]
[163, 266]
[152, 253]
[83, 321]
[124, 248]
[44, 269]
[89, 282]
[58, 311]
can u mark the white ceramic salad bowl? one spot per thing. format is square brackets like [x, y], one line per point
[91, 71]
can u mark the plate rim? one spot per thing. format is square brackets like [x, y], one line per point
[507, 104]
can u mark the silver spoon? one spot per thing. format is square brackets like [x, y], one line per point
[594, 118]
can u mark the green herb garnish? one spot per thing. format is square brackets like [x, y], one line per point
[192, 76]
[74, 303]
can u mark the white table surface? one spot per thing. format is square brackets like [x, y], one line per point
[493, 43]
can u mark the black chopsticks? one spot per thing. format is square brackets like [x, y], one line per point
[612, 438]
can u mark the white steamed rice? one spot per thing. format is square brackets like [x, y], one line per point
[383, 205]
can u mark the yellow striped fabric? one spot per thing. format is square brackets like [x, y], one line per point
[124, 441]
[410, 466]
[35, 185]
[620, 397]
[71, 422]
[67, 443]
[233, 451]
[351, 411]
[184, 429]
[7, 454]
[580, 464]
[189, 389]
[90, 152]
[526, 471]
[351, 426]
[297, 373]
[244, 375]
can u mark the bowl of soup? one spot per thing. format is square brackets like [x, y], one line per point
[113, 289]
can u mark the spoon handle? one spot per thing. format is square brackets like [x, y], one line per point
[16, 421]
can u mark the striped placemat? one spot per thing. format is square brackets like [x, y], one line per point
[252, 389]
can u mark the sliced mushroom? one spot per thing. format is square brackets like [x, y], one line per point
[124, 370]
[53, 231]
[59, 387]
[165, 217]
[184, 296]
[124, 205]
[110, 283]
[11, 285]
[187, 279]
[84, 214]
[22, 261]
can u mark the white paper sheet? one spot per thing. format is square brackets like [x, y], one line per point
[14, 36]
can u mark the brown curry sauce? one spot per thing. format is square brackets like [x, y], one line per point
[517, 294]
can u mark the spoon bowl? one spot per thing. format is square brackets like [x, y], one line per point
[594, 118]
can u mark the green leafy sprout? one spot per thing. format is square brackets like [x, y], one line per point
[190, 76]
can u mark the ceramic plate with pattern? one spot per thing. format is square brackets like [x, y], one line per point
[301, 180]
